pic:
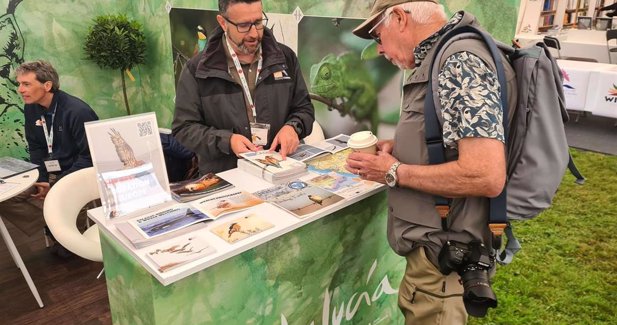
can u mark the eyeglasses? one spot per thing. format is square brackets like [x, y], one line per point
[246, 27]
[377, 38]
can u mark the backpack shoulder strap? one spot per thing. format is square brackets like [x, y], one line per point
[433, 131]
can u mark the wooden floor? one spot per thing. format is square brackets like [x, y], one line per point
[68, 287]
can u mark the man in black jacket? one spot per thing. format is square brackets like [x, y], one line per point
[54, 127]
[245, 91]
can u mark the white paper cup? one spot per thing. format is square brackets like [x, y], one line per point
[363, 141]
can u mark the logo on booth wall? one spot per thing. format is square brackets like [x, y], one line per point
[613, 91]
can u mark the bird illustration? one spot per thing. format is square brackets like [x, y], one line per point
[234, 227]
[316, 198]
[270, 161]
[202, 40]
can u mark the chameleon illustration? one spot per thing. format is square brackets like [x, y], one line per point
[343, 83]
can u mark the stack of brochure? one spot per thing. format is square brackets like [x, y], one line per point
[271, 167]
[197, 188]
[10, 167]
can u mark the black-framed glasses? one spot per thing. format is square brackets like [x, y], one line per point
[246, 27]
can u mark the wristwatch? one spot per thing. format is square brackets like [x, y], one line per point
[296, 125]
[391, 178]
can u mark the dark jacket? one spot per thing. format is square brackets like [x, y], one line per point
[210, 105]
[70, 146]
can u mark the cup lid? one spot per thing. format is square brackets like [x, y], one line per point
[362, 139]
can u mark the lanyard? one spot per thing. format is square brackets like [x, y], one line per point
[245, 85]
[49, 135]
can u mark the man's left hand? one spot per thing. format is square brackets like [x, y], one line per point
[370, 167]
[288, 139]
[42, 188]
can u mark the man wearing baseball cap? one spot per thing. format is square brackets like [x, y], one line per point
[407, 32]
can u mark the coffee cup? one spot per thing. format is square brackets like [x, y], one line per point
[363, 141]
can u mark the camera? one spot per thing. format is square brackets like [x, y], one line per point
[471, 261]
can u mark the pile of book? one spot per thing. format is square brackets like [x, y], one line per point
[271, 167]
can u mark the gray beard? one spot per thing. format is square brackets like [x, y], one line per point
[244, 50]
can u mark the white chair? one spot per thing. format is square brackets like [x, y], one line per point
[62, 206]
[315, 136]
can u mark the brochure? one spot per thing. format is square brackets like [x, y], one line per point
[179, 251]
[271, 167]
[197, 188]
[10, 166]
[171, 219]
[225, 203]
[128, 159]
[242, 228]
[330, 145]
[299, 198]
[139, 240]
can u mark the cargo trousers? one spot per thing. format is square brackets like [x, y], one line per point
[428, 297]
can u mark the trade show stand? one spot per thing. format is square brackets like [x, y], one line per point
[330, 266]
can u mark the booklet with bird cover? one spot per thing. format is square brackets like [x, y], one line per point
[270, 166]
[332, 145]
[220, 204]
[179, 251]
[199, 187]
[242, 228]
[299, 198]
[168, 220]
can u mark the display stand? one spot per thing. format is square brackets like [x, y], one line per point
[338, 269]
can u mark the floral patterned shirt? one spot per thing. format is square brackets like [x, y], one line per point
[469, 93]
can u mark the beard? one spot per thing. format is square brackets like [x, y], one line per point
[243, 48]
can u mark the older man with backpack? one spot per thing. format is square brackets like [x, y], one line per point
[468, 108]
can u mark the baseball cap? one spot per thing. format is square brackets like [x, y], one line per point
[378, 8]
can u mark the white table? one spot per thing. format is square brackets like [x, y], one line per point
[284, 222]
[575, 43]
[589, 86]
[18, 184]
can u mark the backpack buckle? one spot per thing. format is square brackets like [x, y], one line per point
[442, 210]
[497, 230]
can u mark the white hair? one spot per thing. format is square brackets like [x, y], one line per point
[421, 12]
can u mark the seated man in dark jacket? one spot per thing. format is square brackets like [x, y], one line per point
[54, 127]
[245, 91]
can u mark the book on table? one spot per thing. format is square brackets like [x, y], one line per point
[223, 203]
[10, 166]
[271, 167]
[194, 189]
[327, 146]
[179, 251]
[299, 197]
[241, 228]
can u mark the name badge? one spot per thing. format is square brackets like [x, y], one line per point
[52, 165]
[259, 133]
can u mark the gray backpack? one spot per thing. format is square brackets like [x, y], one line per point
[536, 141]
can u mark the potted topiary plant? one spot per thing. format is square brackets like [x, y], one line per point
[115, 42]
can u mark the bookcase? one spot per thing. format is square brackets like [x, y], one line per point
[547, 15]
[574, 9]
[539, 16]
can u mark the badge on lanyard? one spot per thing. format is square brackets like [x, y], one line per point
[259, 133]
[52, 165]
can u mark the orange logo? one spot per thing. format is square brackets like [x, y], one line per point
[613, 91]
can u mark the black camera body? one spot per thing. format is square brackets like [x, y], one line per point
[472, 261]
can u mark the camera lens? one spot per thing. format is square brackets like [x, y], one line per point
[477, 293]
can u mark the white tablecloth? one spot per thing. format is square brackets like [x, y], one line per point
[575, 43]
[590, 87]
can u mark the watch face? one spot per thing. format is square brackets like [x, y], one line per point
[390, 180]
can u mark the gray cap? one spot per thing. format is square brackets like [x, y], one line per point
[378, 8]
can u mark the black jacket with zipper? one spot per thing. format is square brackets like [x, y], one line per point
[210, 105]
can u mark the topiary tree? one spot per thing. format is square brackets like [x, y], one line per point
[115, 42]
